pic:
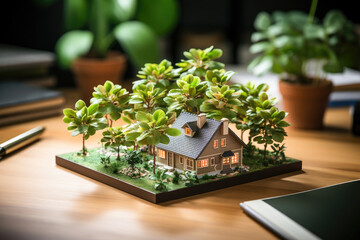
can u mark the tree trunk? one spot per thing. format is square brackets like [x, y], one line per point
[154, 159]
[265, 151]
[118, 153]
[83, 147]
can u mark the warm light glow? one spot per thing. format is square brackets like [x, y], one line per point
[235, 158]
[226, 160]
[161, 153]
[223, 142]
[187, 131]
[216, 143]
[203, 163]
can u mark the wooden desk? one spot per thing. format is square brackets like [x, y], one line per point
[39, 200]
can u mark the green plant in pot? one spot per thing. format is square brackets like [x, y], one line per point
[301, 49]
[94, 26]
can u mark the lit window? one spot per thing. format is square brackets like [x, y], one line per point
[223, 142]
[187, 131]
[161, 153]
[212, 161]
[203, 163]
[226, 160]
[181, 160]
[216, 143]
[235, 158]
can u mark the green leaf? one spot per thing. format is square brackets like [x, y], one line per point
[132, 136]
[263, 66]
[259, 47]
[75, 13]
[141, 116]
[93, 108]
[139, 42]
[72, 45]
[278, 137]
[75, 133]
[313, 31]
[68, 112]
[258, 36]
[144, 125]
[160, 15]
[283, 124]
[67, 120]
[262, 21]
[173, 132]
[79, 105]
[121, 10]
[83, 128]
[158, 114]
[126, 120]
[164, 139]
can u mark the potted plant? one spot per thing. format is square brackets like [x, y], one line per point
[301, 49]
[88, 53]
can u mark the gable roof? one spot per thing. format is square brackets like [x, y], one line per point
[192, 125]
[192, 147]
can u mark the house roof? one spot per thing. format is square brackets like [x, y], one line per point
[192, 147]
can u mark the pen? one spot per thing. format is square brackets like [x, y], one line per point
[20, 141]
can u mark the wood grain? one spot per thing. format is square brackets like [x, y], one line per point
[39, 200]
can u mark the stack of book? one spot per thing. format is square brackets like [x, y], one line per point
[21, 101]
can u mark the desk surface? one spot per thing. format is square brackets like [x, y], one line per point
[39, 200]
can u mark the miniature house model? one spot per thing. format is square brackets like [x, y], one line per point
[205, 146]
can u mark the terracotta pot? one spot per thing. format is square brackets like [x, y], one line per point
[306, 104]
[90, 72]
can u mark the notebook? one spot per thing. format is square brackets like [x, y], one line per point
[331, 212]
[20, 101]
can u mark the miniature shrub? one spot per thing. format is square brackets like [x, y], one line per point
[133, 157]
[161, 179]
[176, 177]
[105, 160]
[114, 167]
[190, 178]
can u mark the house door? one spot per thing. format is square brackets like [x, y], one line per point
[226, 163]
[171, 159]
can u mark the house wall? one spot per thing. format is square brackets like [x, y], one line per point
[231, 144]
[187, 164]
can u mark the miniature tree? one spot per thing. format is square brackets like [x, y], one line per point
[112, 100]
[84, 120]
[114, 137]
[147, 98]
[160, 74]
[188, 96]
[266, 121]
[151, 129]
[199, 61]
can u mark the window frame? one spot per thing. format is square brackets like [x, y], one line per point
[186, 131]
[235, 157]
[217, 144]
[227, 160]
[202, 163]
[181, 160]
[221, 142]
[212, 161]
[160, 151]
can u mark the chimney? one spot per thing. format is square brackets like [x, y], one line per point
[225, 126]
[201, 120]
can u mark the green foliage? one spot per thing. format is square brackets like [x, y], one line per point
[286, 42]
[190, 178]
[84, 120]
[112, 100]
[218, 77]
[133, 157]
[188, 96]
[176, 177]
[279, 152]
[147, 97]
[221, 102]
[112, 20]
[160, 74]
[114, 137]
[105, 160]
[199, 61]
[161, 178]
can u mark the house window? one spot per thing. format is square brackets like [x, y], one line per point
[181, 160]
[223, 142]
[189, 163]
[212, 161]
[235, 158]
[216, 143]
[203, 163]
[226, 160]
[161, 153]
[187, 131]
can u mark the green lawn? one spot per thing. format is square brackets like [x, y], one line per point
[93, 161]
